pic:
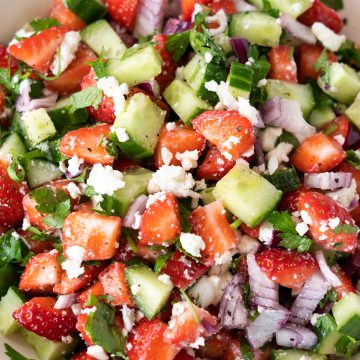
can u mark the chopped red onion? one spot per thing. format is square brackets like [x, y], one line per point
[152, 87]
[121, 30]
[209, 328]
[299, 32]
[328, 180]
[70, 175]
[265, 326]
[264, 292]
[353, 204]
[138, 206]
[259, 152]
[242, 6]
[330, 277]
[240, 47]
[232, 311]
[174, 26]
[150, 17]
[310, 295]
[287, 115]
[297, 337]
[65, 301]
[352, 140]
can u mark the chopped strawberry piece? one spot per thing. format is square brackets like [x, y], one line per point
[289, 202]
[318, 153]
[41, 273]
[187, 7]
[97, 234]
[82, 355]
[114, 284]
[96, 289]
[338, 129]
[36, 246]
[160, 223]
[215, 165]
[347, 167]
[11, 195]
[70, 80]
[147, 342]
[179, 140]
[6, 59]
[319, 12]
[211, 224]
[39, 50]
[287, 268]
[80, 327]
[88, 143]
[168, 67]
[123, 11]
[183, 355]
[105, 113]
[253, 232]
[346, 284]
[326, 215]
[183, 270]
[183, 329]
[231, 132]
[65, 16]
[283, 65]
[39, 316]
[227, 5]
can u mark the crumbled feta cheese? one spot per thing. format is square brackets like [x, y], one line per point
[208, 57]
[315, 317]
[137, 221]
[212, 86]
[250, 61]
[66, 53]
[128, 315]
[159, 196]
[173, 179]
[266, 233]
[111, 88]
[262, 83]
[247, 245]
[72, 265]
[76, 309]
[170, 126]
[26, 224]
[334, 222]
[121, 134]
[97, 352]
[280, 152]
[200, 185]
[345, 196]
[88, 310]
[105, 180]
[164, 278]
[306, 217]
[327, 37]
[22, 34]
[221, 19]
[200, 341]
[248, 111]
[191, 243]
[197, 10]
[178, 308]
[74, 190]
[340, 139]
[74, 165]
[273, 165]
[188, 159]
[302, 228]
[268, 137]
[166, 155]
[225, 258]
[67, 339]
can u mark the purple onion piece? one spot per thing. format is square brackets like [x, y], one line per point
[297, 31]
[328, 180]
[174, 26]
[242, 6]
[325, 309]
[70, 175]
[352, 140]
[240, 47]
[297, 337]
[138, 206]
[151, 87]
[126, 37]
[330, 277]
[259, 152]
[209, 328]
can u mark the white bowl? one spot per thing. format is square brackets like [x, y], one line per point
[15, 13]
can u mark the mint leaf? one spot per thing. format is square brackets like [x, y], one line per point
[282, 221]
[353, 159]
[44, 23]
[295, 242]
[91, 96]
[161, 261]
[99, 67]
[13, 354]
[177, 44]
[345, 229]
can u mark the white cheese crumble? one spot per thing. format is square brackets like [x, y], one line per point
[191, 243]
[262, 83]
[159, 196]
[248, 110]
[266, 233]
[105, 180]
[327, 37]
[22, 33]
[165, 279]
[302, 228]
[97, 352]
[137, 221]
[197, 10]
[278, 155]
[170, 126]
[224, 259]
[128, 315]
[111, 88]
[166, 155]
[74, 165]
[340, 139]
[200, 185]
[188, 159]
[74, 190]
[67, 339]
[72, 265]
[121, 134]
[200, 341]
[306, 217]
[208, 57]
[25, 224]
[221, 19]
[268, 137]
[345, 196]
[66, 53]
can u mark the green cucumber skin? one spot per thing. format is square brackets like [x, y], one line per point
[87, 10]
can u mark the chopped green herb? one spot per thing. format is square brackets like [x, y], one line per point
[43, 24]
[91, 96]
[161, 261]
[345, 229]
[177, 44]
[334, 4]
[13, 354]
[282, 221]
[349, 53]
[99, 67]
[186, 297]
[12, 249]
[353, 159]
[295, 242]
[326, 322]
[246, 351]
[16, 171]
[267, 8]
[330, 296]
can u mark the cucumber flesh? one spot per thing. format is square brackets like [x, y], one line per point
[151, 294]
[207, 195]
[292, 7]
[240, 80]
[321, 116]
[39, 172]
[247, 194]
[327, 344]
[8, 304]
[290, 354]
[256, 27]
[353, 113]
[12, 146]
[142, 65]
[184, 101]
[101, 38]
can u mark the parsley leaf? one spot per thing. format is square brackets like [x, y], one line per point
[292, 242]
[103, 332]
[246, 351]
[91, 96]
[161, 261]
[177, 44]
[329, 296]
[322, 99]
[347, 345]
[16, 171]
[13, 354]
[99, 67]
[353, 159]
[184, 216]
[44, 23]
[349, 53]
[323, 65]
[10, 83]
[282, 221]
[12, 249]
[326, 322]
[345, 229]
[267, 8]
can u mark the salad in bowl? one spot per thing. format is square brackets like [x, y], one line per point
[180, 180]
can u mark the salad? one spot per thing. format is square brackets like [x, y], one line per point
[181, 181]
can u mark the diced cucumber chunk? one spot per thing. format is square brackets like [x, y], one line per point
[247, 194]
[142, 65]
[290, 354]
[39, 172]
[327, 344]
[285, 179]
[102, 38]
[184, 101]
[87, 10]
[142, 120]
[48, 349]
[224, 42]
[303, 94]
[344, 83]
[198, 72]
[258, 28]
[292, 7]
[64, 119]
[258, 3]
[9, 275]
[347, 315]
[240, 80]
[8, 304]
[149, 292]
[353, 113]
[15, 122]
[321, 116]
[12, 146]
[207, 195]
[36, 125]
